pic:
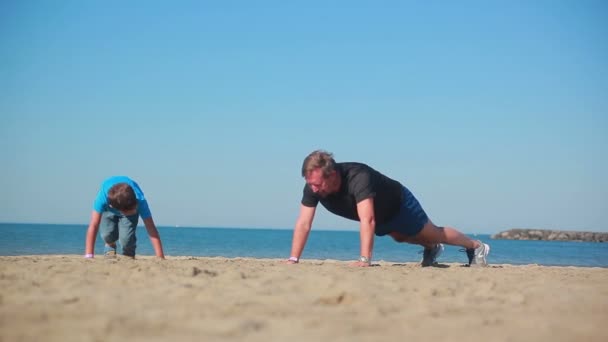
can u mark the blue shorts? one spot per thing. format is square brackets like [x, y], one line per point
[410, 219]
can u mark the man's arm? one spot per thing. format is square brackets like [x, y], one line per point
[89, 246]
[365, 210]
[154, 237]
[300, 233]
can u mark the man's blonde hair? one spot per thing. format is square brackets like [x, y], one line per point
[319, 159]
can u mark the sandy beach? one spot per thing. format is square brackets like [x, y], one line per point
[68, 298]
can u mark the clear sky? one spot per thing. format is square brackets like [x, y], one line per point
[494, 113]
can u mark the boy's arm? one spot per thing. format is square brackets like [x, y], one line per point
[89, 247]
[154, 237]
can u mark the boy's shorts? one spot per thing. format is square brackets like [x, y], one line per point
[410, 219]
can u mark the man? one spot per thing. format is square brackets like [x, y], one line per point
[382, 206]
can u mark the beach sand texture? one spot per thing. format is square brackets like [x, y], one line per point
[68, 298]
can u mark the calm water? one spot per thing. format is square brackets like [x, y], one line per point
[28, 239]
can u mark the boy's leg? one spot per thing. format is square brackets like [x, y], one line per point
[128, 240]
[108, 228]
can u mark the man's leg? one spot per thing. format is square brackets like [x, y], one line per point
[412, 225]
[128, 240]
[432, 238]
[431, 235]
[400, 237]
[431, 250]
[477, 251]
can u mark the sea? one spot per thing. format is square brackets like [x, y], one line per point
[36, 239]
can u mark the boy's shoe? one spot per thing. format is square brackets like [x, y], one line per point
[477, 256]
[109, 252]
[430, 255]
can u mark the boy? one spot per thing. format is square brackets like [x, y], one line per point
[116, 209]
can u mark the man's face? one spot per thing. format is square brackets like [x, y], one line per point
[320, 185]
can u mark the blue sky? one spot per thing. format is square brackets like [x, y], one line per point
[495, 114]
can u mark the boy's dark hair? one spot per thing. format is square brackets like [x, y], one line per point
[122, 197]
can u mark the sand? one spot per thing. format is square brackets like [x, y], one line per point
[68, 298]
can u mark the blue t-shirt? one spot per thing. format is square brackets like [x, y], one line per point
[101, 201]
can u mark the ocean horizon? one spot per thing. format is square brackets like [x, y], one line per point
[255, 242]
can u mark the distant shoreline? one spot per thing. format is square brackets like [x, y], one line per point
[551, 235]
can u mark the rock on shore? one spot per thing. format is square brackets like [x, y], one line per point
[555, 235]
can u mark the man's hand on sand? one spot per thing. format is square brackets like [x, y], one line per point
[292, 260]
[360, 264]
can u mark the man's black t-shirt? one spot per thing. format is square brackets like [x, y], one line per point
[359, 182]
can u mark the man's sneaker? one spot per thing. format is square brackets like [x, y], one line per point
[477, 256]
[430, 255]
[109, 252]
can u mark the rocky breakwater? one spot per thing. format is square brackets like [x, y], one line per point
[551, 235]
